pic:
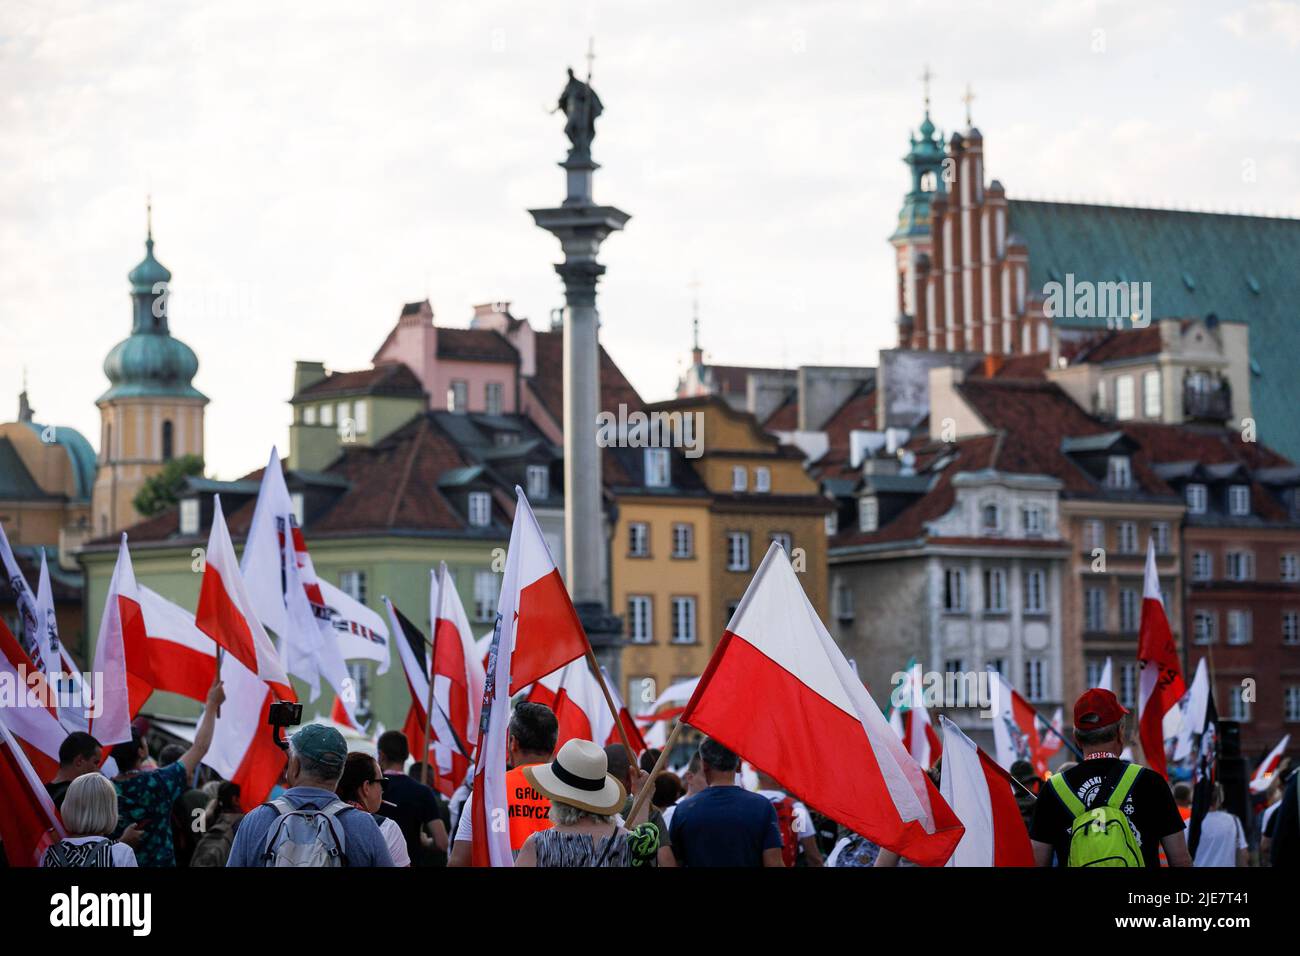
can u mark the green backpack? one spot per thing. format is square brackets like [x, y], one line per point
[1101, 836]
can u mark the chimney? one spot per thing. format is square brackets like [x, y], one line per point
[993, 364]
[307, 373]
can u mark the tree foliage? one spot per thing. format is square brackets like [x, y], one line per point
[159, 492]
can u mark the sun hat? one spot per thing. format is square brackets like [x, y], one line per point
[578, 776]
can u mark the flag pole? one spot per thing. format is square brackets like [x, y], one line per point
[609, 700]
[428, 709]
[659, 765]
[1060, 736]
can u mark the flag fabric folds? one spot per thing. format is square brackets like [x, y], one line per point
[457, 682]
[181, 659]
[34, 721]
[816, 729]
[911, 719]
[1263, 775]
[29, 822]
[1205, 771]
[574, 694]
[243, 750]
[980, 793]
[225, 612]
[1160, 685]
[1015, 727]
[413, 649]
[31, 636]
[122, 639]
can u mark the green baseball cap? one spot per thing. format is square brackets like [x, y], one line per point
[325, 745]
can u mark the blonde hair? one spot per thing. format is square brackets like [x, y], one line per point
[90, 806]
[566, 815]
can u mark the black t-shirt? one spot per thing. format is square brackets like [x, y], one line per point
[1150, 807]
[409, 804]
[57, 791]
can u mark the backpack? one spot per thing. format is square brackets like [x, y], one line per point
[63, 853]
[785, 820]
[1101, 836]
[306, 836]
[213, 848]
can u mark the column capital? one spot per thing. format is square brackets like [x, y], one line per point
[580, 277]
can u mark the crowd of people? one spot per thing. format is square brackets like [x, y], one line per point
[577, 807]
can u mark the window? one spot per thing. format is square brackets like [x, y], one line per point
[1033, 520]
[1291, 706]
[737, 550]
[505, 439]
[360, 675]
[492, 392]
[638, 540]
[1291, 627]
[1239, 500]
[990, 518]
[168, 449]
[995, 590]
[1124, 404]
[480, 509]
[539, 481]
[1127, 537]
[1195, 495]
[1160, 532]
[762, 478]
[683, 540]
[327, 414]
[784, 539]
[299, 509]
[346, 425]
[739, 478]
[1151, 394]
[1128, 684]
[683, 620]
[1035, 679]
[458, 396]
[1205, 627]
[1130, 608]
[998, 664]
[1289, 564]
[843, 601]
[1238, 707]
[1094, 609]
[1035, 592]
[189, 516]
[832, 522]
[1101, 396]
[956, 666]
[1238, 627]
[1094, 534]
[639, 623]
[1119, 473]
[1241, 566]
[485, 595]
[658, 473]
[954, 590]
[640, 692]
[353, 584]
[361, 417]
[1202, 566]
[868, 513]
[309, 414]
[1094, 669]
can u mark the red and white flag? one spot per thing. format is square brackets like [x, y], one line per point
[574, 694]
[1160, 685]
[981, 794]
[413, 649]
[122, 635]
[1268, 766]
[33, 720]
[28, 822]
[457, 680]
[243, 750]
[779, 693]
[669, 704]
[537, 632]
[1052, 741]
[181, 659]
[910, 718]
[1015, 726]
[32, 637]
[226, 612]
[1107, 680]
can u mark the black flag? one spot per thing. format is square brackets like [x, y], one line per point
[1205, 770]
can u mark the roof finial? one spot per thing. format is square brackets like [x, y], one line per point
[694, 286]
[926, 77]
[968, 99]
[148, 218]
[591, 57]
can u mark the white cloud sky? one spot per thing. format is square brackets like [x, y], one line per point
[311, 173]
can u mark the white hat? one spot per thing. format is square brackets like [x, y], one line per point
[579, 777]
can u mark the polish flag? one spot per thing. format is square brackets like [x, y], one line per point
[669, 704]
[1015, 727]
[457, 681]
[1052, 740]
[574, 694]
[34, 720]
[537, 632]
[981, 794]
[243, 750]
[910, 718]
[1160, 685]
[779, 693]
[1268, 766]
[122, 637]
[226, 613]
[180, 659]
[29, 823]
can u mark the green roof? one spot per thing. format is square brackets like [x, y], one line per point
[80, 452]
[1241, 268]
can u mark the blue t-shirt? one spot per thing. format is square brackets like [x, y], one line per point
[724, 826]
[362, 842]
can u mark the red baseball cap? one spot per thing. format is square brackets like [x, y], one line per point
[1096, 708]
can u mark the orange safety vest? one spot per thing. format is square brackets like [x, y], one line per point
[528, 808]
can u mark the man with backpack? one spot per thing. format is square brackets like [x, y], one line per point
[1105, 811]
[308, 825]
[798, 834]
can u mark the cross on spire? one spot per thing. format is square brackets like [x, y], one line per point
[591, 56]
[148, 216]
[926, 77]
[968, 99]
[694, 286]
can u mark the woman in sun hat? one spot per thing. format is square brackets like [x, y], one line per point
[585, 801]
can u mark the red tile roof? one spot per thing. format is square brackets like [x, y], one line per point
[1123, 344]
[786, 416]
[475, 345]
[388, 379]
[858, 413]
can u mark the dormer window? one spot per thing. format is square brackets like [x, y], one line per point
[990, 518]
[1119, 472]
[189, 516]
[1196, 499]
[480, 509]
[296, 500]
[868, 513]
[1033, 522]
[762, 478]
[539, 481]
[1239, 500]
[739, 478]
[658, 474]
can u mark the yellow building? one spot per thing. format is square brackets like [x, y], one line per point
[690, 532]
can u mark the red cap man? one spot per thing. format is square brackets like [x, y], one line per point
[1097, 708]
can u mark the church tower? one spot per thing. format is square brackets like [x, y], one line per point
[151, 412]
[911, 238]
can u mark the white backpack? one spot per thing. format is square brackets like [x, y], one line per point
[306, 836]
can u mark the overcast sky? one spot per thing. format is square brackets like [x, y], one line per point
[312, 173]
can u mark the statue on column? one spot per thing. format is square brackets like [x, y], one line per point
[581, 106]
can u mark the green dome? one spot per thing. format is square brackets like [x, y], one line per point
[149, 272]
[153, 365]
